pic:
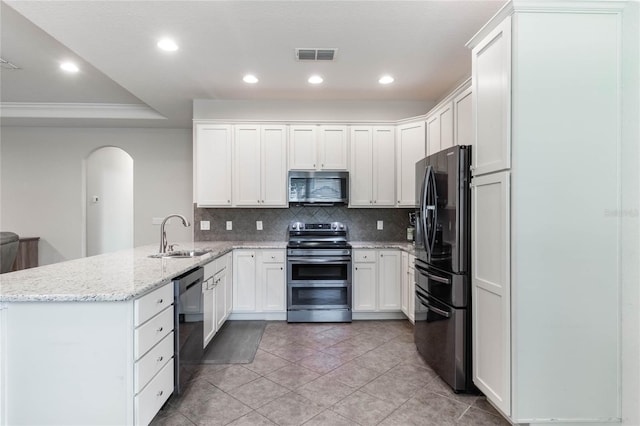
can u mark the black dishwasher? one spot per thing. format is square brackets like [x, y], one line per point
[188, 326]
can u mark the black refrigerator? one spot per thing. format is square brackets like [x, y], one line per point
[443, 263]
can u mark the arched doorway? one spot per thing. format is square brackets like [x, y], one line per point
[109, 200]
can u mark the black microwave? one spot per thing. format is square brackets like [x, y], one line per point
[318, 188]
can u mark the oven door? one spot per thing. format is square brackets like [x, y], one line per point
[319, 270]
[308, 296]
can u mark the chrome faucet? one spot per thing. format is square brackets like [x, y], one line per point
[163, 234]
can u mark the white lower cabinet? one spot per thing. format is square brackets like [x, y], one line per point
[115, 357]
[259, 283]
[216, 291]
[376, 280]
[408, 285]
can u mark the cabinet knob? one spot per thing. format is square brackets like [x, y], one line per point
[160, 329]
[314, 166]
[160, 301]
[356, 268]
[281, 268]
[160, 393]
[364, 257]
[160, 358]
[374, 201]
[228, 201]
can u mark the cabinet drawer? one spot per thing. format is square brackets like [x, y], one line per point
[154, 395]
[364, 255]
[272, 256]
[154, 330]
[148, 306]
[152, 362]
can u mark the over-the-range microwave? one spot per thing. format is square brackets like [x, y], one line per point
[321, 188]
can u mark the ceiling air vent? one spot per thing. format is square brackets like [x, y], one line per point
[4, 64]
[315, 54]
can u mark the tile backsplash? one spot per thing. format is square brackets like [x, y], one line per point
[361, 223]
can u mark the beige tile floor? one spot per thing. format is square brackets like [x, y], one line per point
[362, 373]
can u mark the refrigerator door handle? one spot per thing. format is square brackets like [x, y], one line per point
[424, 211]
[426, 303]
[434, 195]
[429, 275]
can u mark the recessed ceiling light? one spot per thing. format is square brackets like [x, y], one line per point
[315, 79]
[167, 45]
[250, 78]
[69, 67]
[385, 79]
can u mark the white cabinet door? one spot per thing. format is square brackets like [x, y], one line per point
[389, 280]
[433, 134]
[274, 287]
[274, 166]
[491, 75]
[384, 166]
[412, 289]
[405, 283]
[446, 126]
[246, 166]
[333, 149]
[361, 173]
[364, 287]
[440, 129]
[228, 278]
[244, 281]
[491, 287]
[462, 111]
[303, 147]
[220, 297]
[410, 147]
[212, 165]
[208, 309]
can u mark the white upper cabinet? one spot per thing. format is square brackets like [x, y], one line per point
[463, 123]
[212, 165]
[318, 147]
[410, 148]
[246, 166]
[440, 129]
[260, 166]
[491, 75]
[372, 172]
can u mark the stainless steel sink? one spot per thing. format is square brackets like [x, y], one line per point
[181, 253]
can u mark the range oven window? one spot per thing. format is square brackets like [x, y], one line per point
[319, 296]
[319, 271]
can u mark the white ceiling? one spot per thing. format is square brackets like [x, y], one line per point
[421, 43]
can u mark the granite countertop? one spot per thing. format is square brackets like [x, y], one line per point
[111, 277]
[125, 274]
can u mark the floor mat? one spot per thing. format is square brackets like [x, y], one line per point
[235, 343]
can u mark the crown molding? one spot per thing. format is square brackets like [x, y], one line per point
[78, 110]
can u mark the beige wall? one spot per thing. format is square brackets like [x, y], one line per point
[42, 183]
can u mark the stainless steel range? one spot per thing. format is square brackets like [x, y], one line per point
[318, 273]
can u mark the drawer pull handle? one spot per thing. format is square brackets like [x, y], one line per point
[160, 393]
[160, 358]
[160, 329]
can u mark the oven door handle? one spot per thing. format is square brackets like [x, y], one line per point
[436, 278]
[318, 285]
[426, 303]
[337, 259]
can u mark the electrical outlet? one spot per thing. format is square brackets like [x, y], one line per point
[259, 225]
[229, 225]
[205, 225]
[380, 225]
